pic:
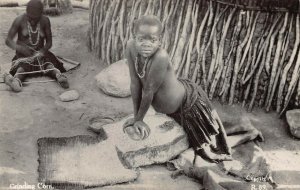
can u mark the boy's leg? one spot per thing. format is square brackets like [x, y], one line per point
[56, 74]
[221, 138]
[206, 151]
[214, 151]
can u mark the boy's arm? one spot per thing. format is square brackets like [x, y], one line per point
[155, 78]
[135, 85]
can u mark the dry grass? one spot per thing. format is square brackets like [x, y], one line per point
[13, 3]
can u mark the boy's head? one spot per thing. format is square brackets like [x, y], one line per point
[147, 33]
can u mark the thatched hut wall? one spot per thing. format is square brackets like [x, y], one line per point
[240, 51]
[57, 7]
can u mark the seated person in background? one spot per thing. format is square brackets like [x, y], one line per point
[32, 48]
[153, 82]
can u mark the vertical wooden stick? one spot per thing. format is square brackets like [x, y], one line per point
[276, 62]
[192, 37]
[198, 42]
[287, 67]
[219, 60]
[183, 37]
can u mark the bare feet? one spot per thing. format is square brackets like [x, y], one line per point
[62, 80]
[206, 153]
[14, 83]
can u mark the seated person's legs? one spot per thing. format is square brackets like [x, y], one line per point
[56, 74]
[19, 74]
[15, 82]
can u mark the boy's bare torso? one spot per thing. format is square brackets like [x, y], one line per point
[169, 95]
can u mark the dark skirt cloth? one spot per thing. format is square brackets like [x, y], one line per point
[195, 115]
[34, 66]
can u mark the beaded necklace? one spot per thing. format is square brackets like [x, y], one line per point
[30, 31]
[142, 73]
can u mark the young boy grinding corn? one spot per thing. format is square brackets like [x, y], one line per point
[153, 82]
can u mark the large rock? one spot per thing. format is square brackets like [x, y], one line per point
[293, 119]
[166, 140]
[115, 79]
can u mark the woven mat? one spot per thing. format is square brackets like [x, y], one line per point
[68, 63]
[80, 161]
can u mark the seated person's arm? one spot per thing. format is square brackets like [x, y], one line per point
[10, 39]
[155, 78]
[48, 35]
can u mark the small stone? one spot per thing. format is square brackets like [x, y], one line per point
[69, 96]
[293, 119]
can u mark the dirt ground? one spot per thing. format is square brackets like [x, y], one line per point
[37, 112]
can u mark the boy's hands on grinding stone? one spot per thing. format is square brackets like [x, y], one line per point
[129, 122]
[137, 130]
[142, 129]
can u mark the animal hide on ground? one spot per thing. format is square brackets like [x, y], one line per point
[248, 169]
